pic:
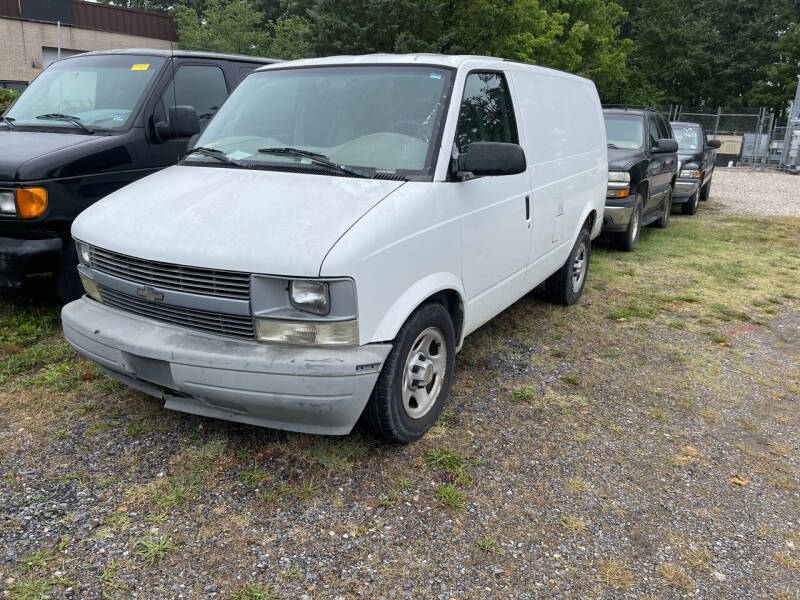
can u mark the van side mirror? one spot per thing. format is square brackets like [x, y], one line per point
[714, 144]
[665, 145]
[492, 158]
[183, 123]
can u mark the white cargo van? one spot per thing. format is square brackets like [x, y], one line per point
[341, 225]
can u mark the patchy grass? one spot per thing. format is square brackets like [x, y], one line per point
[615, 575]
[256, 591]
[444, 459]
[675, 576]
[152, 548]
[485, 544]
[449, 496]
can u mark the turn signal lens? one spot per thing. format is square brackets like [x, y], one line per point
[91, 288]
[31, 202]
[307, 333]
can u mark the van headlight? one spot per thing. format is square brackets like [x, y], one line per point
[340, 334]
[622, 176]
[310, 296]
[689, 174]
[82, 249]
[91, 288]
[619, 184]
[7, 204]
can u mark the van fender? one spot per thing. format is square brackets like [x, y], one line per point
[413, 297]
[598, 223]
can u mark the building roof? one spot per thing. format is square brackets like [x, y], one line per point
[93, 15]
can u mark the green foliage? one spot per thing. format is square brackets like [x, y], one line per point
[6, 98]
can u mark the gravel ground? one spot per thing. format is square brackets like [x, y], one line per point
[745, 192]
[641, 444]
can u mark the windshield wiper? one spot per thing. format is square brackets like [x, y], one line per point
[610, 145]
[218, 154]
[61, 117]
[8, 121]
[318, 158]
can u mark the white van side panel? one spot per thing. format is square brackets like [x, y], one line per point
[562, 122]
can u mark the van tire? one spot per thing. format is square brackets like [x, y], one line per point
[663, 220]
[690, 206]
[67, 282]
[565, 286]
[628, 240]
[386, 413]
[705, 192]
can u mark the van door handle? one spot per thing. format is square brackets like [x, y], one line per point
[528, 210]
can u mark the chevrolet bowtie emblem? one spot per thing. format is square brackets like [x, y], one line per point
[150, 294]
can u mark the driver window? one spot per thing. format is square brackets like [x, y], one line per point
[200, 86]
[653, 132]
[486, 113]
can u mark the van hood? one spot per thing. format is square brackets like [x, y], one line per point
[40, 155]
[622, 159]
[278, 223]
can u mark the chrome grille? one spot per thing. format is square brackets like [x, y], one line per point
[211, 322]
[195, 280]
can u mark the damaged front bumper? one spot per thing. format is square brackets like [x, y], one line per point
[310, 390]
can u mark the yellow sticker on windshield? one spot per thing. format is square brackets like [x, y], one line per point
[140, 67]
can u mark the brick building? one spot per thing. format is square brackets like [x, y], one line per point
[29, 33]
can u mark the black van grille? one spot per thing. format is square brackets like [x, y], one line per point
[211, 322]
[194, 280]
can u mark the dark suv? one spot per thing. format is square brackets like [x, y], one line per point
[87, 126]
[696, 155]
[642, 168]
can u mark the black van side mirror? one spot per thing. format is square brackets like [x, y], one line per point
[714, 144]
[492, 158]
[183, 123]
[665, 145]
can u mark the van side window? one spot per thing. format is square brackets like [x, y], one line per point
[201, 86]
[486, 113]
[654, 134]
[665, 129]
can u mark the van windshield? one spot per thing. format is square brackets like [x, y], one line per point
[101, 91]
[382, 119]
[624, 131]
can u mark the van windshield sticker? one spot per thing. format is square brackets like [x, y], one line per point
[239, 155]
[435, 75]
[119, 117]
[140, 67]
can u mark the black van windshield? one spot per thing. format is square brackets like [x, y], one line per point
[624, 131]
[98, 91]
[368, 118]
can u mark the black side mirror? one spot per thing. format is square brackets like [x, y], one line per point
[714, 144]
[492, 158]
[665, 145]
[183, 123]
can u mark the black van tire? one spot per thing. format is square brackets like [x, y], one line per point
[67, 282]
[561, 287]
[690, 206]
[385, 413]
[666, 211]
[705, 191]
[628, 240]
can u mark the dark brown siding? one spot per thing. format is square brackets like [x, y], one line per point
[122, 20]
[9, 8]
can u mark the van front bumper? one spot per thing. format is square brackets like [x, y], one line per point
[616, 218]
[311, 390]
[20, 257]
[684, 189]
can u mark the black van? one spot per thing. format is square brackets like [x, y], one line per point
[87, 126]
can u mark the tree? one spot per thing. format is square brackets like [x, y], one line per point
[224, 26]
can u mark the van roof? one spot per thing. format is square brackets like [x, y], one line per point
[181, 54]
[439, 60]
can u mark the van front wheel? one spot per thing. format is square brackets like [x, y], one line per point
[416, 377]
[566, 285]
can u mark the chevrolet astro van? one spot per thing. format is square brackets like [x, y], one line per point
[336, 231]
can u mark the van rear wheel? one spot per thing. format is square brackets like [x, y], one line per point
[565, 286]
[416, 376]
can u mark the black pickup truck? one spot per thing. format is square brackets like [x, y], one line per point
[642, 168]
[87, 126]
[696, 155]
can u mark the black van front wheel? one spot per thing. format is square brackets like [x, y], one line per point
[68, 283]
